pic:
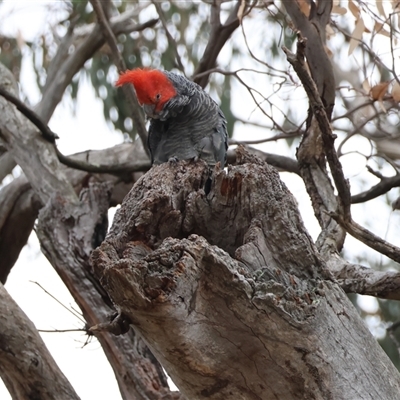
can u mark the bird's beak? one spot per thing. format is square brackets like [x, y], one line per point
[149, 110]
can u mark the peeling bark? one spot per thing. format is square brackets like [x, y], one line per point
[246, 310]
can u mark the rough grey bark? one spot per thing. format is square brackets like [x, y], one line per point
[247, 310]
[19, 205]
[26, 366]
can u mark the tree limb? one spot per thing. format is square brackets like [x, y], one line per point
[380, 188]
[26, 366]
[311, 152]
[50, 136]
[18, 211]
[313, 29]
[219, 34]
[318, 110]
[354, 278]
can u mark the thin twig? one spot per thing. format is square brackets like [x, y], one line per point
[170, 39]
[50, 136]
[380, 188]
[47, 133]
[76, 315]
[108, 34]
[279, 136]
[219, 34]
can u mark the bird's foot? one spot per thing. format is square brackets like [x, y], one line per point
[173, 160]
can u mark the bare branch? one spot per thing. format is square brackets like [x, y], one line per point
[380, 188]
[170, 39]
[288, 135]
[313, 30]
[354, 278]
[368, 238]
[318, 109]
[137, 114]
[50, 136]
[46, 132]
[219, 34]
[341, 183]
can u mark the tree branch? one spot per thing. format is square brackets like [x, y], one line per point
[108, 34]
[219, 34]
[318, 110]
[380, 188]
[50, 136]
[26, 366]
[171, 41]
[19, 207]
[311, 152]
[313, 29]
[355, 278]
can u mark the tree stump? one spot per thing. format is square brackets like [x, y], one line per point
[230, 293]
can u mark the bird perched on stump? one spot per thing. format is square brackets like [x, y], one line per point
[186, 123]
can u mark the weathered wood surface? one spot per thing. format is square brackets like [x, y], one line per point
[230, 293]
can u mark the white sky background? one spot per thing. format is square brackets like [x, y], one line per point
[86, 367]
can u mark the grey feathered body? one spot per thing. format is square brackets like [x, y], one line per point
[191, 125]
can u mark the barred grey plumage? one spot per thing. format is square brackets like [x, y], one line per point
[191, 125]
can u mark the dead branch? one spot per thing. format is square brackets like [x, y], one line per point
[311, 152]
[354, 278]
[380, 188]
[26, 366]
[219, 34]
[343, 214]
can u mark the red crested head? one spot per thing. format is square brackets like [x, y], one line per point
[151, 85]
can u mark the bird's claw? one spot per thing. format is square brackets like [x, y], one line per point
[173, 160]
